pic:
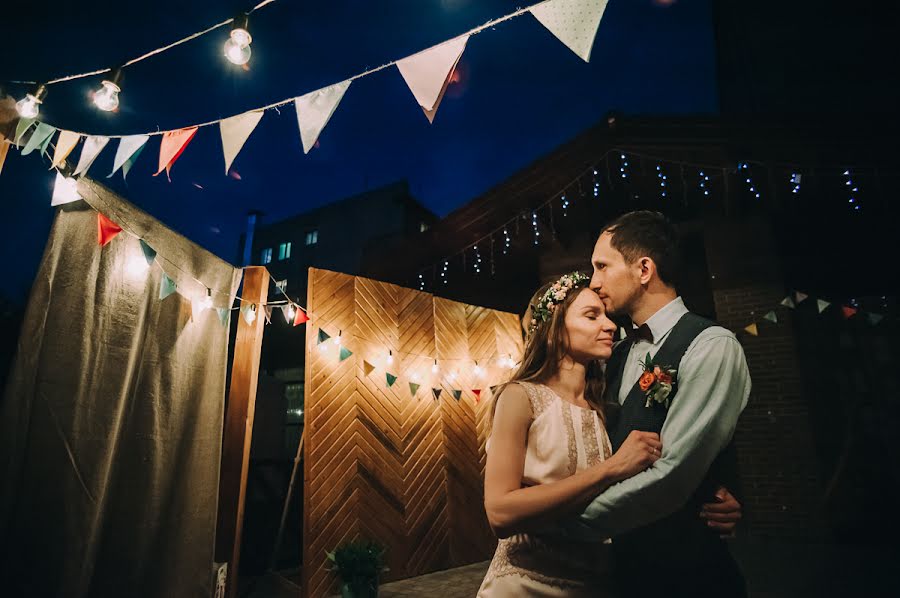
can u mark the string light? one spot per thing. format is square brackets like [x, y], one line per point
[506, 241]
[291, 312]
[337, 340]
[421, 282]
[137, 267]
[623, 169]
[596, 184]
[565, 205]
[451, 377]
[478, 370]
[662, 180]
[477, 260]
[853, 190]
[748, 180]
[795, 182]
[207, 302]
[434, 368]
[251, 315]
[534, 224]
[444, 273]
[390, 357]
[107, 97]
[237, 48]
[703, 180]
[29, 106]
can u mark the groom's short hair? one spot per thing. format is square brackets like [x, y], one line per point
[646, 233]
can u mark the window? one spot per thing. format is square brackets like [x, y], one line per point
[266, 255]
[293, 393]
[423, 227]
[284, 251]
[312, 237]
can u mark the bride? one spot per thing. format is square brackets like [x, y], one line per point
[549, 455]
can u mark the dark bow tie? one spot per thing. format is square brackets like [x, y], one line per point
[642, 332]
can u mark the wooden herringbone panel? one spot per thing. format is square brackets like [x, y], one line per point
[384, 463]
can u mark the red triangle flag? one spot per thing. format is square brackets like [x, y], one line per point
[300, 317]
[849, 312]
[171, 147]
[106, 229]
[477, 393]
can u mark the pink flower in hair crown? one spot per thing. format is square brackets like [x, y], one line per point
[554, 296]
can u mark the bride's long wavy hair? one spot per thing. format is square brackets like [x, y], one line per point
[545, 348]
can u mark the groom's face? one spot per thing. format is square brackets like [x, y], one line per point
[614, 280]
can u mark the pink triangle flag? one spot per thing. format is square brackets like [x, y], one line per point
[171, 147]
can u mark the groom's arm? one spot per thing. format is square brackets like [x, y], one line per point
[714, 385]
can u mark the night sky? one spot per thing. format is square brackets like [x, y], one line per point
[521, 93]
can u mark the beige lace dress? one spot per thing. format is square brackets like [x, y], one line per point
[563, 438]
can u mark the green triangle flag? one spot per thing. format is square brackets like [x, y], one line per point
[42, 133]
[413, 388]
[22, 127]
[390, 379]
[130, 161]
[788, 302]
[149, 252]
[493, 388]
[345, 353]
[823, 305]
[223, 312]
[457, 394]
[771, 317]
[875, 318]
[166, 286]
[323, 336]
[436, 392]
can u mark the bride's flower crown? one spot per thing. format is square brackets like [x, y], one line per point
[555, 295]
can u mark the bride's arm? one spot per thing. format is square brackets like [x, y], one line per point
[512, 509]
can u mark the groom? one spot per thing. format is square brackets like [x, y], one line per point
[661, 546]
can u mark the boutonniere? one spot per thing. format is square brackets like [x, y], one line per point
[656, 382]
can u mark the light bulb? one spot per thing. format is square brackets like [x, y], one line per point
[434, 368]
[136, 267]
[390, 357]
[337, 340]
[291, 313]
[236, 53]
[107, 97]
[478, 370]
[451, 376]
[27, 107]
[251, 315]
[206, 302]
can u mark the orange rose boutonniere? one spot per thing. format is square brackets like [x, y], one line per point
[656, 382]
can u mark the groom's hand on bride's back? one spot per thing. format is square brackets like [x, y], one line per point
[723, 513]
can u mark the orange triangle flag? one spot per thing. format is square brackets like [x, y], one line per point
[849, 312]
[171, 147]
[300, 317]
[106, 229]
[752, 329]
[367, 367]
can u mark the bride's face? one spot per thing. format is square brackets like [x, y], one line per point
[590, 332]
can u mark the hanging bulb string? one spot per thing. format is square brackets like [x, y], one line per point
[148, 54]
[474, 31]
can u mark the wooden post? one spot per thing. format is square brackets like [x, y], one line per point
[239, 425]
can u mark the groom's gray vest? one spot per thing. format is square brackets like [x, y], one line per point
[678, 554]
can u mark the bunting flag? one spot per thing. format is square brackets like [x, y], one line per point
[286, 312]
[300, 317]
[127, 153]
[21, 128]
[390, 379]
[493, 388]
[65, 190]
[413, 388]
[428, 73]
[323, 336]
[315, 109]
[368, 368]
[437, 393]
[771, 317]
[4, 150]
[106, 229]
[65, 143]
[93, 145]
[848, 311]
[224, 313]
[268, 311]
[573, 22]
[822, 304]
[477, 393]
[875, 318]
[457, 394]
[345, 353]
[40, 138]
[235, 132]
[171, 148]
[166, 286]
[788, 302]
[800, 297]
[149, 252]
[752, 329]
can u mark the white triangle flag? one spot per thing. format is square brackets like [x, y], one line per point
[65, 143]
[801, 297]
[823, 305]
[93, 145]
[573, 22]
[314, 110]
[428, 73]
[64, 191]
[788, 302]
[772, 317]
[127, 148]
[235, 131]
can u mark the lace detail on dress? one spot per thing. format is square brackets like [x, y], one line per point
[559, 563]
[539, 400]
[570, 434]
[589, 423]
